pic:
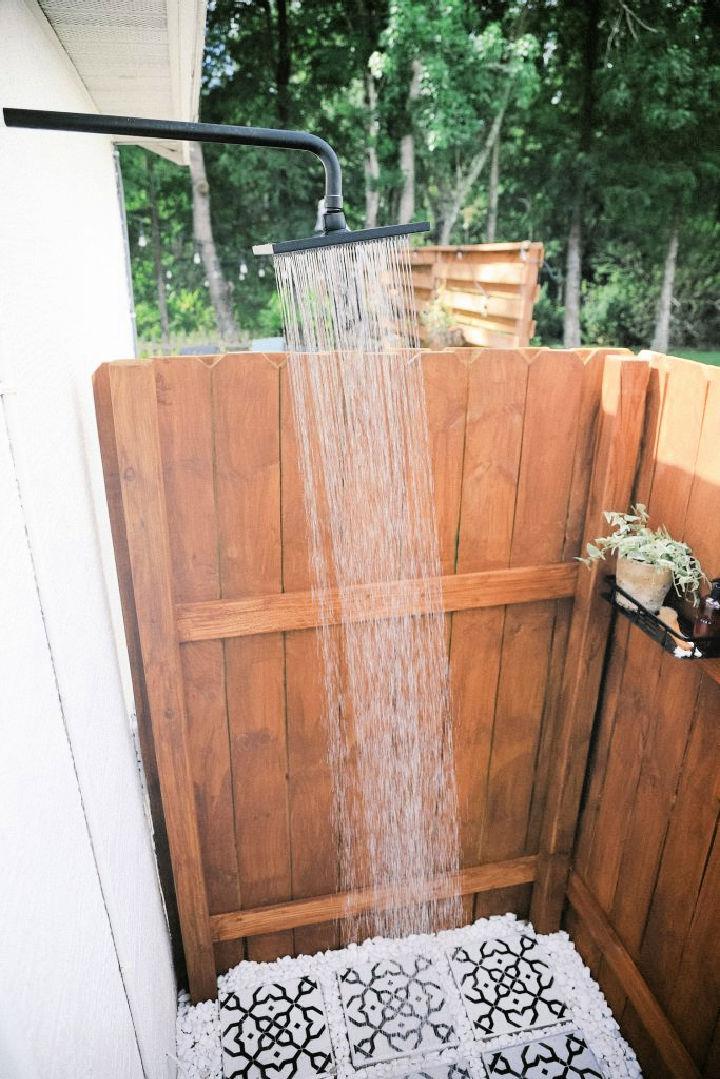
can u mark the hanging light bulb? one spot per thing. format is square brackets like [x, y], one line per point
[261, 271]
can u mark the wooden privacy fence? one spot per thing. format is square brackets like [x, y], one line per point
[206, 503]
[645, 897]
[486, 290]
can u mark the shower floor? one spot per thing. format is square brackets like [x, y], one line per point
[488, 1000]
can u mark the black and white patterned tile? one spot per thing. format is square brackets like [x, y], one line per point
[486, 1000]
[276, 1031]
[506, 987]
[457, 1070]
[558, 1056]
[395, 1007]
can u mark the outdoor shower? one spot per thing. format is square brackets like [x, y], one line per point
[335, 229]
[355, 387]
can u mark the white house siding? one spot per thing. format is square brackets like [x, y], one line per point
[86, 983]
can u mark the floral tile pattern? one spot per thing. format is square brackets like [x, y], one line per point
[485, 1001]
[440, 1071]
[506, 986]
[276, 1031]
[560, 1056]
[395, 1008]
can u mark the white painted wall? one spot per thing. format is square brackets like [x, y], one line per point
[86, 983]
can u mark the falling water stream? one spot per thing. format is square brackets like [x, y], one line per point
[360, 415]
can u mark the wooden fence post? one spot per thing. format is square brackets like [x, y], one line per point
[134, 415]
[617, 448]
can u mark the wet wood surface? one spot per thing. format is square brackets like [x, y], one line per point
[222, 552]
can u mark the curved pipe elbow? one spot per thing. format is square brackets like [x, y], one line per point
[137, 127]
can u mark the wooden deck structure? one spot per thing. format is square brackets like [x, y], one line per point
[528, 447]
[487, 290]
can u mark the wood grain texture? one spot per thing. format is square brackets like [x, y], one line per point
[186, 430]
[488, 289]
[552, 411]
[585, 444]
[495, 411]
[623, 399]
[445, 379]
[246, 401]
[664, 1036]
[291, 611]
[512, 443]
[312, 834]
[113, 494]
[648, 830]
[134, 407]
[668, 483]
[318, 909]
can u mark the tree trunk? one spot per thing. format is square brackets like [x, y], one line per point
[202, 229]
[573, 272]
[661, 338]
[465, 184]
[573, 267]
[372, 166]
[407, 150]
[493, 191]
[157, 255]
[283, 65]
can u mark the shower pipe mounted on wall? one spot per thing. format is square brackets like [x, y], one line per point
[334, 230]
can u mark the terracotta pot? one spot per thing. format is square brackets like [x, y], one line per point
[644, 582]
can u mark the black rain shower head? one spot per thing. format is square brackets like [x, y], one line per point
[335, 228]
[340, 236]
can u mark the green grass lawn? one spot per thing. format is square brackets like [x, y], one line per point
[701, 355]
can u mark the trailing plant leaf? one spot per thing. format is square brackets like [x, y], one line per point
[632, 538]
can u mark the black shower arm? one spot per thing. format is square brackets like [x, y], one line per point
[138, 128]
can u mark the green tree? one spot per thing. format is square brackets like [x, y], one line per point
[604, 110]
[661, 84]
[452, 80]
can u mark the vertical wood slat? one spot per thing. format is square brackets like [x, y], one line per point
[693, 993]
[186, 429]
[623, 400]
[312, 839]
[554, 396]
[697, 1014]
[593, 364]
[667, 481]
[247, 475]
[134, 405]
[692, 819]
[445, 383]
[314, 856]
[113, 494]
[671, 1050]
[497, 387]
[648, 836]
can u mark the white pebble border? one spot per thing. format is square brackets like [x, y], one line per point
[198, 1028]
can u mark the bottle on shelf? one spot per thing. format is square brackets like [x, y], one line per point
[706, 629]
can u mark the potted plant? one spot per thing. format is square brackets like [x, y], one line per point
[436, 319]
[649, 561]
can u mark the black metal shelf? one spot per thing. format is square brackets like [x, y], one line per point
[650, 624]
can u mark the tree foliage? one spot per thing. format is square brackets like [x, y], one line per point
[609, 99]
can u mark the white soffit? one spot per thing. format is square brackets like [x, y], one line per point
[136, 57]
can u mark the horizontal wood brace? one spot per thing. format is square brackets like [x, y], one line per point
[285, 611]
[657, 1025]
[326, 908]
